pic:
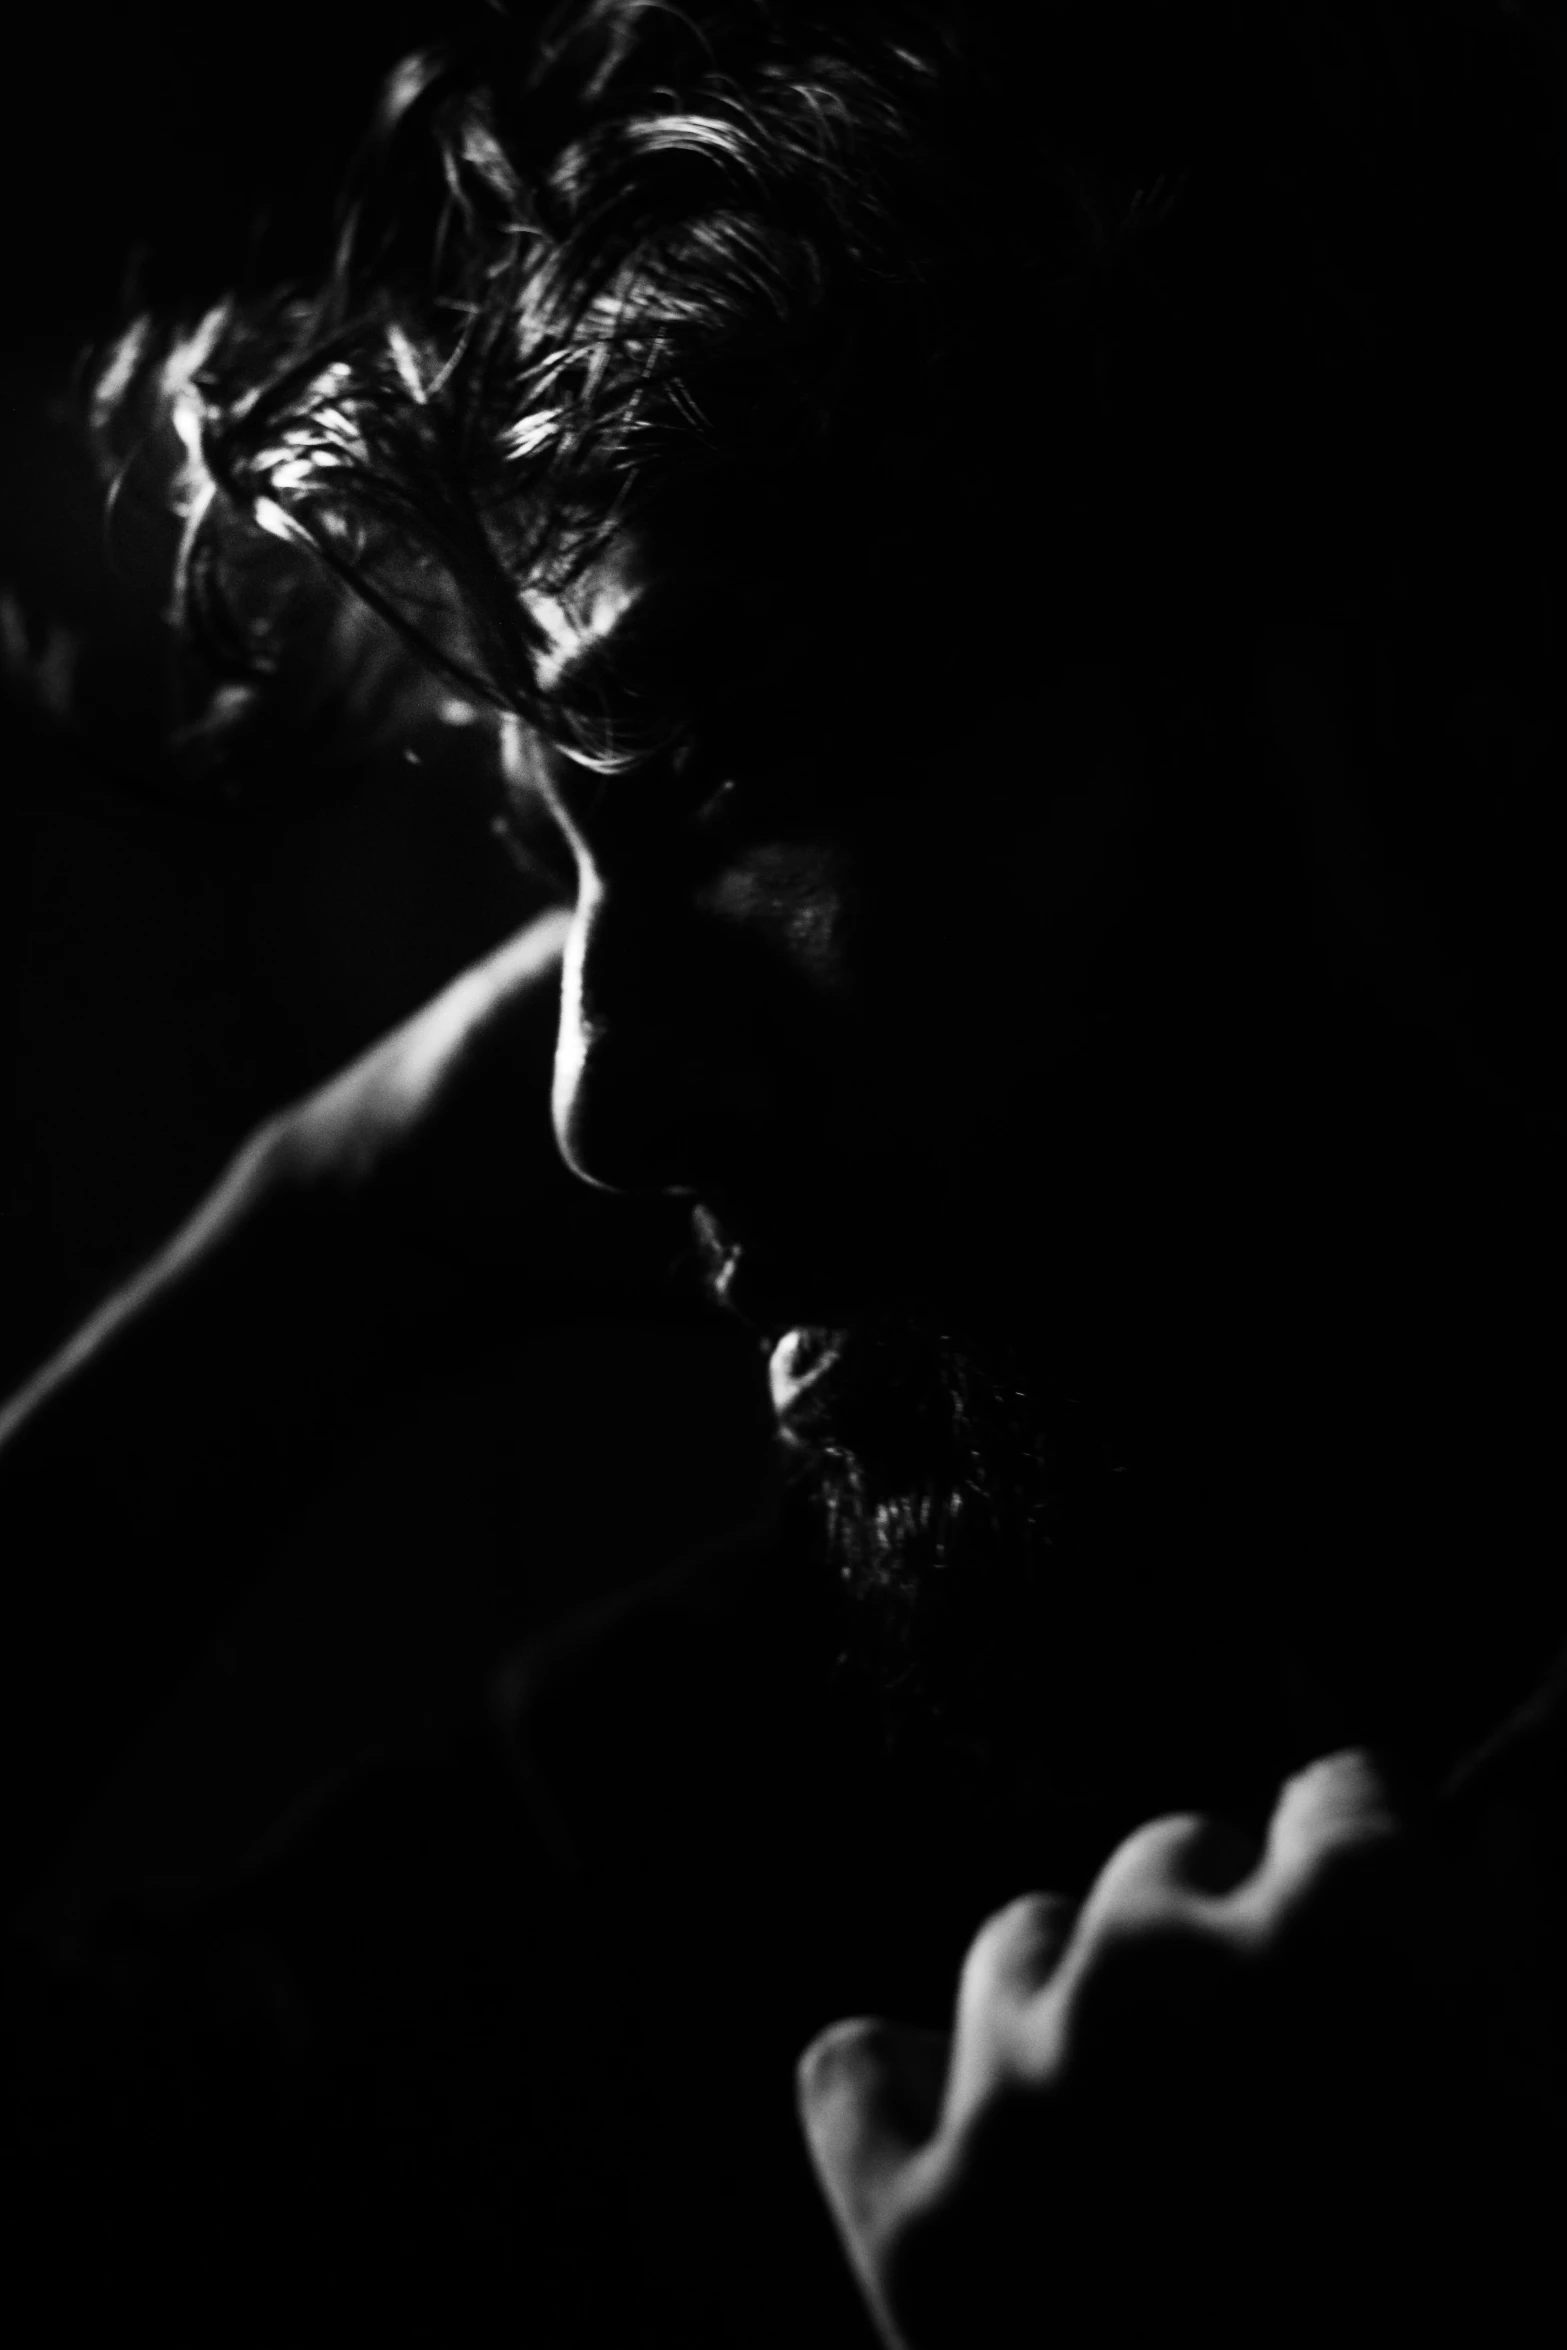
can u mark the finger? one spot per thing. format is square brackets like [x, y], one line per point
[1333, 1847]
[1015, 1952]
[1154, 1935]
[1166, 1882]
[998, 2030]
[1340, 1798]
[869, 2096]
[1175, 1865]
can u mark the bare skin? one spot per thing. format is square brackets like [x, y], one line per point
[1152, 2032]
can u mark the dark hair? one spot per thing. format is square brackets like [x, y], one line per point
[1181, 292]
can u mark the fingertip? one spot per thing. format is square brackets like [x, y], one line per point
[854, 2098]
[845, 2056]
[867, 2089]
[1166, 1863]
[1334, 1816]
[1353, 1784]
[1016, 1951]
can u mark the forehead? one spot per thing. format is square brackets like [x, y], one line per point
[655, 638]
[651, 643]
[1038, 762]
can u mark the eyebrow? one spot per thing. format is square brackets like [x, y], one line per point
[613, 677]
[670, 644]
[704, 654]
[589, 668]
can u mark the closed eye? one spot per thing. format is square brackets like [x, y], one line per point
[699, 796]
[643, 809]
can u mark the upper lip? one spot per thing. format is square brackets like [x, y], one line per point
[776, 1289]
[773, 1306]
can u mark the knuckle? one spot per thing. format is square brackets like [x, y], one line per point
[841, 2060]
[1160, 1935]
[1338, 1798]
[1336, 1846]
[1015, 1952]
[1171, 1864]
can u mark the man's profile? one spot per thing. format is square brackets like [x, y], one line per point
[1013, 564]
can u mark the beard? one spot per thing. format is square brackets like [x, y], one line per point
[1038, 1607]
[950, 1477]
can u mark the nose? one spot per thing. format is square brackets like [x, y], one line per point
[658, 1081]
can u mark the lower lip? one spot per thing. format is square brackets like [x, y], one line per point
[800, 1374]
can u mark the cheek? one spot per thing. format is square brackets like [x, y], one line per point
[944, 976]
[797, 904]
[906, 961]
[862, 939]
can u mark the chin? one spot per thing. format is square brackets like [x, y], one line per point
[1004, 1551]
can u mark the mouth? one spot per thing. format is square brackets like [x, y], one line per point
[774, 1291]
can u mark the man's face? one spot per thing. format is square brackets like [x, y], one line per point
[887, 977]
[846, 974]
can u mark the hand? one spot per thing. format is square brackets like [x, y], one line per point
[1196, 2087]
